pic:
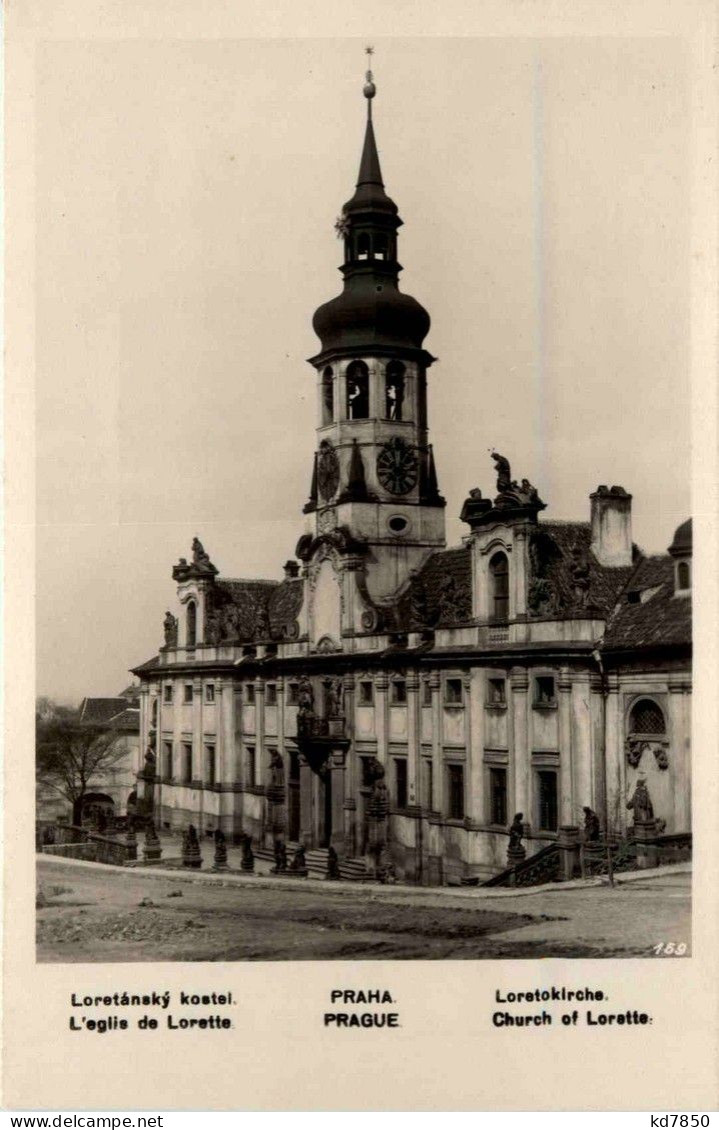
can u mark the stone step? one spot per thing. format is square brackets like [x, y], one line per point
[351, 869]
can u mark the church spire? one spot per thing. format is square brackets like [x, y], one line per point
[370, 172]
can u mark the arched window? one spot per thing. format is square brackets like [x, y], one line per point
[499, 586]
[357, 391]
[380, 246]
[646, 718]
[328, 397]
[363, 245]
[684, 579]
[191, 624]
[394, 390]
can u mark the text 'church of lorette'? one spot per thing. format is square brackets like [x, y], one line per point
[399, 701]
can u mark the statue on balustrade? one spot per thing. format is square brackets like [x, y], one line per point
[170, 629]
[516, 832]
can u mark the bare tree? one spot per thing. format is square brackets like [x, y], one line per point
[72, 756]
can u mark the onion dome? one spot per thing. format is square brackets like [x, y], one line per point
[682, 542]
[371, 311]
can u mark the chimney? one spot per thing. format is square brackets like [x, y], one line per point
[612, 526]
[291, 569]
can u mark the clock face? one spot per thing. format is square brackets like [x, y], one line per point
[328, 470]
[397, 467]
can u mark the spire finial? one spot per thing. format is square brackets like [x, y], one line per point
[369, 87]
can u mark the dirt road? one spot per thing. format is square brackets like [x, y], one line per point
[101, 914]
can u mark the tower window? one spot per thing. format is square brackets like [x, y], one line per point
[394, 390]
[380, 246]
[209, 692]
[191, 624]
[271, 694]
[357, 391]
[328, 397]
[683, 576]
[499, 582]
[250, 694]
[363, 245]
[189, 695]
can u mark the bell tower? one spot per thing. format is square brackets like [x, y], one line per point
[374, 477]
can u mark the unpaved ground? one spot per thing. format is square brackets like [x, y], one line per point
[93, 914]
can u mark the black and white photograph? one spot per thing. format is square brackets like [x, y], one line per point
[364, 603]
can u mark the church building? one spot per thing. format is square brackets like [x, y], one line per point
[538, 668]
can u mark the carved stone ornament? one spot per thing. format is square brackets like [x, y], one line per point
[328, 470]
[635, 749]
[661, 756]
[397, 466]
[511, 494]
[326, 520]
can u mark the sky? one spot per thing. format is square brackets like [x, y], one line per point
[186, 193]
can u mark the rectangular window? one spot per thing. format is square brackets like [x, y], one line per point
[211, 767]
[398, 692]
[400, 782]
[544, 691]
[366, 693]
[496, 692]
[426, 693]
[366, 763]
[210, 692]
[250, 694]
[427, 784]
[251, 768]
[453, 692]
[186, 762]
[455, 775]
[271, 692]
[293, 694]
[167, 693]
[188, 692]
[498, 796]
[547, 799]
[167, 759]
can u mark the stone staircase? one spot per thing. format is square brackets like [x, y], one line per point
[353, 870]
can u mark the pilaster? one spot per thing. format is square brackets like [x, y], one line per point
[581, 741]
[413, 738]
[613, 756]
[197, 742]
[306, 836]
[679, 702]
[438, 782]
[381, 685]
[567, 814]
[260, 768]
[520, 762]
